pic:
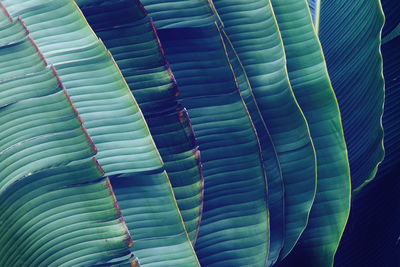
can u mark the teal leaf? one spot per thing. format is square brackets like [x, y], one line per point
[234, 226]
[130, 36]
[255, 36]
[55, 206]
[269, 154]
[350, 36]
[106, 106]
[312, 88]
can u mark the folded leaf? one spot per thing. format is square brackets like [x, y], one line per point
[312, 88]
[252, 29]
[55, 206]
[269, 154]
[180, 13]
[104, 102]
[132, 40]
[350, 36]
[234, 226]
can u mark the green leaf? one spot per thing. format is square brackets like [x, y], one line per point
[312, 88]
[355, 68]
[375, 207]
[55, 206]
[131, 38]
[269, 154]
[254, 34]
[234, 227]
[179, 14]
[106, 106]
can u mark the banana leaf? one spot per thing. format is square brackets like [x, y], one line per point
[253, 32]
[375, 207]
[234, 226]
[56, 207]
[109, 113]
[270, 156]
[130, 35]
[180, 13]
[312, 88]
[350, 35]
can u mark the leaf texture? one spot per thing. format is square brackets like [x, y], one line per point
[270, 156]
[372, 235]
[130, 36]
[107, 108]
[313, 90]
[180, 13]
[234, 226]
[55, 206]
[252, 29]
[355, 67]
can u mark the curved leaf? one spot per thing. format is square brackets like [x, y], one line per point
[312, 88]
[131, 38]
[55, 207]
[252, 28]
[375, 208]
[179, 13]
[392, 20]
[234, 226]
[355, 68]
[270, 157]
[106, 106]
[391, 120]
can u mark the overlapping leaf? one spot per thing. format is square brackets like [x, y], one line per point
[312, 88]
[270, 156]
[179, 13]
[131, 38]
[55, 206]
[371, 237]
[350, 36]
[234, 227]
[252, 28]
[110, 115]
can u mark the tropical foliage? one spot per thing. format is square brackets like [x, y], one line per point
[106, 107]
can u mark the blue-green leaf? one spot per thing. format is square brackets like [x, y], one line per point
[350, 36]
[313, 90]
[234, 227]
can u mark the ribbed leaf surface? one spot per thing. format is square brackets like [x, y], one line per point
[372, 235]
[131, 38]
[252, 28]
[107, 108]
[157, 239]
[179, 13]
[270, 156]
[234, 226]
[312, 88]
[355, 68]
[55, 207]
